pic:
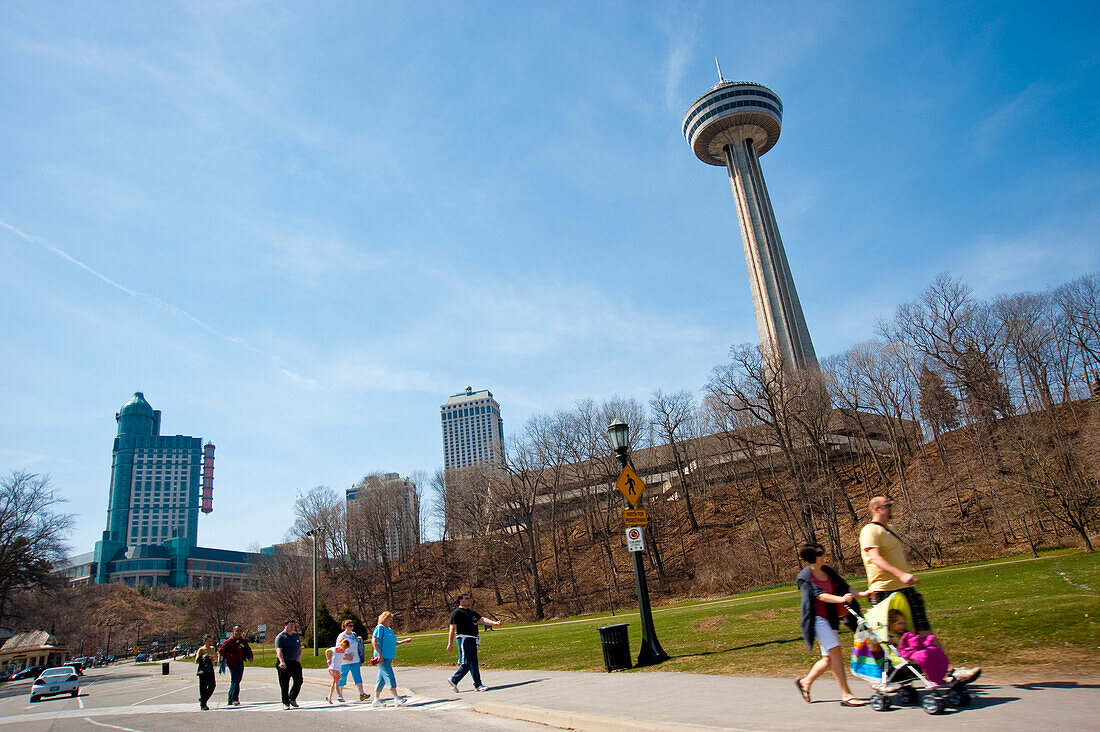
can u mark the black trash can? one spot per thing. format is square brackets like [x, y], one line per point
[164, 669]
[616, 647]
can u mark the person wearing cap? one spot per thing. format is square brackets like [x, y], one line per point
[883, 554]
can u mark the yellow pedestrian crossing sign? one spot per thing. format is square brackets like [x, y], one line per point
[630, 485]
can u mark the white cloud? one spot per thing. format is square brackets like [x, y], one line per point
[1023, 107]
[996, 264]
[277, 362]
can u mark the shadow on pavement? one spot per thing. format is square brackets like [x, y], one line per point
[983, 702]
[512, 686]
[1035, 686]
[762, 644]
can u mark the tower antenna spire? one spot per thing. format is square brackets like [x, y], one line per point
[720, 79]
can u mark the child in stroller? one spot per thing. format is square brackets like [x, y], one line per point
[877, 659]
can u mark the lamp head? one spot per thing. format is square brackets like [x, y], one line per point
[619, 431]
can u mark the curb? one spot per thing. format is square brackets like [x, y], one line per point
[562, 719]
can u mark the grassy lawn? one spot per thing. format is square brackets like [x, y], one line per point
[1004, 614]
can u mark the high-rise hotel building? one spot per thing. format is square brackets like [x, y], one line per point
[473, 432]
[154, 479]
[158, 487]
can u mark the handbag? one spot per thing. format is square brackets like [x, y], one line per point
[375, 660]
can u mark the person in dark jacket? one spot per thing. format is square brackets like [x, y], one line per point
[235, 651]
[823, 590]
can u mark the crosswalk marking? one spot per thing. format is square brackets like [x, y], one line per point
[192, 708]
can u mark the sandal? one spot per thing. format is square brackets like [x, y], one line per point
[853, 702]
[802, 690]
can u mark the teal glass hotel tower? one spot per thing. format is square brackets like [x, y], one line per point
[155, 488]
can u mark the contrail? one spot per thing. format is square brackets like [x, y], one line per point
[275, 361]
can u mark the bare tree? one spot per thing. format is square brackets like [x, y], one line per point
[214, 609]
[322, 508]
[754, 385]
[285, 579]
[672, 418]
[32, 533]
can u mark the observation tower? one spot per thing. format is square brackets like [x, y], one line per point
[733, 124]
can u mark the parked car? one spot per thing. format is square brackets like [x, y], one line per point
[140, 658]
[57, 680]
[31, 672]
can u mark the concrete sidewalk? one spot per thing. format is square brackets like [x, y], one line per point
[676, 701]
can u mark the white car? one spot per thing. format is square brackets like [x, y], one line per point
[59, 680]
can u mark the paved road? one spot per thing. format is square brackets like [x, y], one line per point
[140, 700]
[136, 699]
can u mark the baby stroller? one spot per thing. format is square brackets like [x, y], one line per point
[876, 659]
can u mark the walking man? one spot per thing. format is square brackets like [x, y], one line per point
[288, 651]
[464, 622]
[883, 555]
[353, 668]
[235, 651]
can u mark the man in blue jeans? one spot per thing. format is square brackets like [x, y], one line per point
[464, 622]
[235, 651]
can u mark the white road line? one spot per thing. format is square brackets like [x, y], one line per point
[111, 726]
[79, 702]
[158, 696]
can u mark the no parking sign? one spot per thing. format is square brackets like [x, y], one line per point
[634, 542]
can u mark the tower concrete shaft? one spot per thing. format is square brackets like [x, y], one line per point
[732, 125]
[779, 319]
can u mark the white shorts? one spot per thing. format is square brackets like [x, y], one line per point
[826, 636]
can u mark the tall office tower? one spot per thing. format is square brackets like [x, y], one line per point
[732, 125]
[382, 507]
[154, 494]
[473, 432]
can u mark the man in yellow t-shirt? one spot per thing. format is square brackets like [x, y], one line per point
[884, 559]
[883, 555]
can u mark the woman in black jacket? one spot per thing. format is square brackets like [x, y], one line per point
[822, 590]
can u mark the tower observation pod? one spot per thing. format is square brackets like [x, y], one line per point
[733, 124]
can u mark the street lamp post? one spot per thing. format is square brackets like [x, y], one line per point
[140, 624]
[110, 624]
[312, 533]
[651, 651]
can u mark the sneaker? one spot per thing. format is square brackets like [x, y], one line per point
[453, 685]
[286, 707]
[294, 703]
[401, 700]
[481, 688]
[377, 703]
[204, 708]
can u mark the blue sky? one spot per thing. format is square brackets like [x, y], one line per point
[297, 228]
